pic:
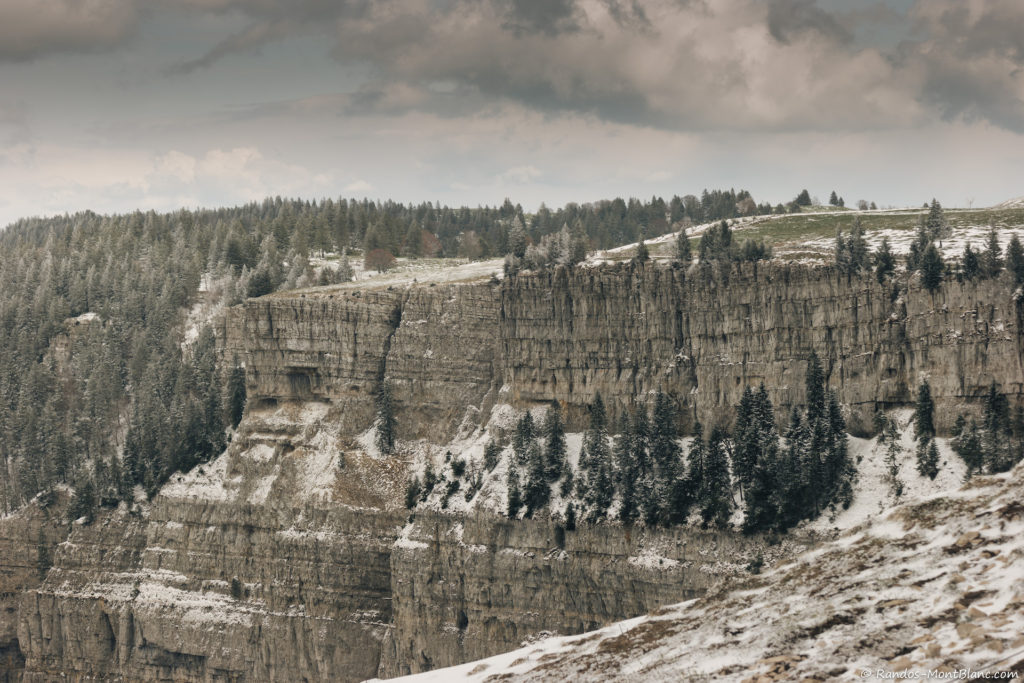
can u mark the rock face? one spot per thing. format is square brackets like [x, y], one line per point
[464, 589]
[27, 543]
[289, 557]
[700, 335]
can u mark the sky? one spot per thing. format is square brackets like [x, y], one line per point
[116, 105]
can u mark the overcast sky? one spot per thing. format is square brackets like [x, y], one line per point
[113, 105]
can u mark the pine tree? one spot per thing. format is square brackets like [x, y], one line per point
[627, 472]
[236, 393]
[554, 443]
[970, 265]
[842, 253]
[833, 199]
[924, 413]
[666, 458]
[927, 458]
[595, 463]
[492, 452]
[715, 496]
[642, 254]
[815, 385]
[938, 228]
[991, 258]
[857, 246]
[885, 261]
[1015, 259]
[514, 497]
[746, 436]
[932, 269]
[537, 491]
[386, 424]
[684, 252]
[892, 458]
[525, 433]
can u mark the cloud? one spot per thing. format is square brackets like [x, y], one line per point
[32, 28]
[675, 64]
[520, 175]
[971, 62]
[787, 18]
[359, 186]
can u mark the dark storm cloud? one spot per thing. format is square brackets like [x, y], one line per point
[680, 64]
[33, 28]
[971, 63]
[550, 17]
[789, 18]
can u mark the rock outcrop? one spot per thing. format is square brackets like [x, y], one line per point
[627, 331]
[463, 589]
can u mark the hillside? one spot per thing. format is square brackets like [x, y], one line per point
[934, 585]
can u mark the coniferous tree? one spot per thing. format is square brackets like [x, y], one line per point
[761, 440]
[715, 496]
[554, 443]
[537, 490]
[386, 424]
[666, 459]
[932, 268]
[938, 227]
[927, 458]
[968, 445]
[595, 463]
[924, 413]
[236, 393]
[525, 434]
[492, 452]
[815, 386]
[515, 501]
[970, 265]
[684, 252]
[642, 254]
[833, 199]
[885, 261]
[992, 257]
[746, 437]
[627, 471]
[1015, 259]
[860, 256]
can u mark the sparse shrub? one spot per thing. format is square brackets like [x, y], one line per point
[458, 467]
[413, 489]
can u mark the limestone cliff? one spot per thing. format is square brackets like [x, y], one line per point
[289, 558]
[626, 331]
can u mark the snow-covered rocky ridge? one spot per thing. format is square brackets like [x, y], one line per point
[933, 585]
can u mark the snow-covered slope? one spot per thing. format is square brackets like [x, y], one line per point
[1015, 203]
[935, 585]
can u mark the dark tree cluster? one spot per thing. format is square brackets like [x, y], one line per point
[851, 253]
[989, 263]
[995, 445]
[718, 244]
[97, 390]
[784, 483]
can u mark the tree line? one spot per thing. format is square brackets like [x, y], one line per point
[645, 475]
